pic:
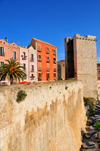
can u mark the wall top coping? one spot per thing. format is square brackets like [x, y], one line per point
[38, 84]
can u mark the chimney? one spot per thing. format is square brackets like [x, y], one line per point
[6, 39]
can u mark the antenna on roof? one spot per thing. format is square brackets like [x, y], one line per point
[6, 39]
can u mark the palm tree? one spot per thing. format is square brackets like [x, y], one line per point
[12, 70]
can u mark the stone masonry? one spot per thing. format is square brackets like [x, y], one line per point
[81, 62]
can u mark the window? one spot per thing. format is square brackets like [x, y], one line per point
[54, 74]
[98, 78]
[48, 76]
[31, 57]
[1, 63]
[23, 54]
[63, 64]
[39, 56]
[48, 67]
[47, 48]
[47, 57]
[24, 65]
[39, 78]
[1, 51]
[14, 55]
[32, 67]
[39, 47]
[54, 50]
[54, 59]
[98, 71]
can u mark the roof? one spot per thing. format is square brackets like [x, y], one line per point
[43, 42]
[61, 61]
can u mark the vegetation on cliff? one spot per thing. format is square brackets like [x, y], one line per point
[91, 102]
[21, 96]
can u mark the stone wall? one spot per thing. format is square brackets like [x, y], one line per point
[49, 119]
[85, 61]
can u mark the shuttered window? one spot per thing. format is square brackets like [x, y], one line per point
[14, 55]
[1, 51]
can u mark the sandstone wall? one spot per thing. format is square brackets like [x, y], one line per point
[85, 60]
[49, 119]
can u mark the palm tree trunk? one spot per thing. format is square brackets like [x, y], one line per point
[11, 81]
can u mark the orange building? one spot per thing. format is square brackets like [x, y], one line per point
[46, 58]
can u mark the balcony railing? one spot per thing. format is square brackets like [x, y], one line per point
[47, 60]
[32, 70]
[39, 69]
[54, 53]
[54, 69]
[31, 59]
[39, 59]
[39, 50]
[47, 51]
[48, 69]
[24, 58]
[54, 61]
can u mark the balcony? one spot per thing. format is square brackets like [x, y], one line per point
[48, 69]
[47, 60]
[54, 69]
[39, 59]
[24, 58]
[39, 50]
[47, 51]
[31, 59]
[54, 53]
[39, 69]
[54, 61]
[32, 70]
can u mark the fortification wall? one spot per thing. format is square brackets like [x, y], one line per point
[49, 119]
[85, 60]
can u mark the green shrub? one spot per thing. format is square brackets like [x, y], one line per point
[21, 96]
[66, 87]
[50, 87]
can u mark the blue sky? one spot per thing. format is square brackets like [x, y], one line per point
[50, 21]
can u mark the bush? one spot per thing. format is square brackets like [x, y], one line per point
[66, 87]
[21, 96]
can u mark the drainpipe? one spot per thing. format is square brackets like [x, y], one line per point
[56, 65]
[36, 63]
[28, 66]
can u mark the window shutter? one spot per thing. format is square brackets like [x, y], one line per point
[0, 50]
[54, 65]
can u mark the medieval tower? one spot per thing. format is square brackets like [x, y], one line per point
[81, 62]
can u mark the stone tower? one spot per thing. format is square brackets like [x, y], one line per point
[81, 62]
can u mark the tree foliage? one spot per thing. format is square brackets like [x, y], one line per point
[12, 70]
[97, 127]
